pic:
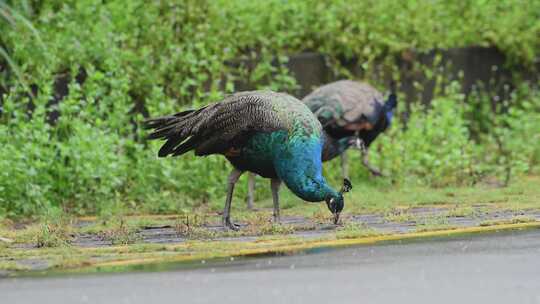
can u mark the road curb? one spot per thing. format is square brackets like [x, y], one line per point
[310, 244]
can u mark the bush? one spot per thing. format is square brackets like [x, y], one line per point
[120, 61]
[433, 147]
[514, 141]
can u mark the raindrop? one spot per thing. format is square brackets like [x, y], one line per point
[213, 270]
[269, 262]
[232, 259]
[203, 262]
[292, 266]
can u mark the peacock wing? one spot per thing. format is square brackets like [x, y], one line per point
[219, 127]
[343, 102]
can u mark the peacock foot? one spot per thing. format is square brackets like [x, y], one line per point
[228, 224]
[376, 173]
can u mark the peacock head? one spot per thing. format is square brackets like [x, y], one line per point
[336, 203]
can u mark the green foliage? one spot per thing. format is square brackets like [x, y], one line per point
[124, 60]
[436, 147]
[433, 146]
[14, 19]
[507, 129]
[515, 135]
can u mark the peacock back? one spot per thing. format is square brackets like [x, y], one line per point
[342, 102]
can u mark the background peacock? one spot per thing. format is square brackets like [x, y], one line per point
[271, 134]
[352, 114]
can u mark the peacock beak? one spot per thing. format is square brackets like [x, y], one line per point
[336, 218]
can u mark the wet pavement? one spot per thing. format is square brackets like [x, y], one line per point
[486, 268]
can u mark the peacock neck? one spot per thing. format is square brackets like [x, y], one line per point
[318, 191]
[333, 147]
[299, 166]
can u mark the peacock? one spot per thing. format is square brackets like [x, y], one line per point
[352, 114]
[270, 134]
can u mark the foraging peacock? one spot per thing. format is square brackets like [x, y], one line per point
[271, 134]
[352, 114]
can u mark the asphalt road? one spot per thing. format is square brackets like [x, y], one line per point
[494, 268]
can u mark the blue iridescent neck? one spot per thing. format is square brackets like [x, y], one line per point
[389, 107]
[299, 166]
[389, 115]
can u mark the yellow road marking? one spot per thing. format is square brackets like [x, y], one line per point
[311, 244]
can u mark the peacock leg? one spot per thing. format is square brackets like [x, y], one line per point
[251, 191]
[233, 178]
[344, 165]
[274, 185]
[365, 161]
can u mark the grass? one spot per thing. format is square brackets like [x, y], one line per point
[514, 220]
[523, 194]
[354, 230]
[192, 227]
[434, 223]
[394, 202]
[12, 266]
[400, 216]
[463, 211]
[261, 223]
[120, 233]
[51, 236]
